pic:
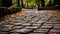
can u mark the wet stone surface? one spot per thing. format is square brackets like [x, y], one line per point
[33, 22]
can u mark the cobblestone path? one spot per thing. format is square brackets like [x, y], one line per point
[33, 22]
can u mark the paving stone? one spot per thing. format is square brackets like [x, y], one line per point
[2, 22]
[41, 30]
[18, 23]
[53, 33]
[8, 26]
[45, 24]
[27, 19]
[10, 22]
[35, 19]
[18, 27]
[46, 27]
[39, 22]
[26, 24]
[3, 32]
[1, 26]
[55, 30]
[36, 33]
[6, 29]
[57, 26]
[32, 27]
[14, 33]
[35, 24]
[23, 21]
[23, 30]
[54, 20]
[49, 22]
[44, 19]
[20, 17]
[18, 20]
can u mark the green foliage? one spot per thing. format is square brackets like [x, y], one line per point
[14, 2]
[31, 3]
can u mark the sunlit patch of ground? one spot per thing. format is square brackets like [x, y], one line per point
[21, 13]
[54, 11]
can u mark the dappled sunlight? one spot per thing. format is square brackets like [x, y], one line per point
[53, 11]
[22, 12]
[10, 17]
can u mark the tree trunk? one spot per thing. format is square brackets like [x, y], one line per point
[26, 5]
[18, 3]
[6, 3]
[43, 3]
[22, 4]
[38, 4]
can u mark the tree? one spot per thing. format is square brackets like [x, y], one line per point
[50, 3]
[18, 3]
[29, 3]
[22, 4]
[38, 3]
[6, 3]
[43, 3]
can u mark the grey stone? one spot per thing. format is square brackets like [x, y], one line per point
[32, 27]
[14, 33]
[41, 30]
[18, 27]
[26, 24]
[23, 30]
[46, 27]
[36, 33]
[3, 32]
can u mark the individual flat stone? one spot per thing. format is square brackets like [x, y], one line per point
[35, 24]
[32, 27]
[35, 19]
[36, 33]
[14, 33]
[27, 19]
[23, 30]
[39, 22]
[57, 26]
[23, 21]
[3, 32]
[53, 33]
[44, 19]
[46, 27]
[18, 23]
[50, 22]
[20, 17]
[41, 30]
[6, 29]
[18, 27]
[55, 30]
[18, 20]
[26, 24]
[8, 26]
[45, 24]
